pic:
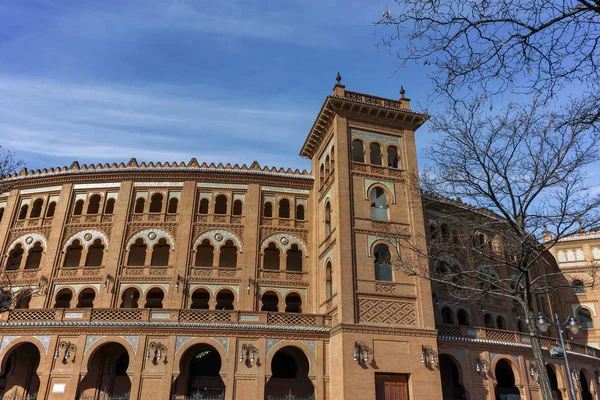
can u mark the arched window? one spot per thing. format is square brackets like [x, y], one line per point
[86, 298]
[36, 209]
[584, 316]
[383, 263]
[73, 255]
[200, 299]
[271, 257]
[521, 326]
[327, 166]
[447, 316]
[228, 256]
[221, 204]
[63, 299]
[463, 317]
[225, 300]
[139, 205]
[332, 158]
[293, 303]
[34, 258]
[93, 204]
[268, 211]
[23, 212]
[379, 204]
[329, 280]
[375, 153]
[284, 208]
[322, 175]
[203, 206]
[160, 254]
[270, 302]
[500, 322]
[130, 298]
[137, 253]
[578, 287]
[300, 212]
[156, 203]
[154, 298]
[78, 209]
[173, 202]
[488, 321]
[14, 258]
[393, 160]
[110, 207]
[204, 254]
[327, 219]
[293, 260]
[23, 299]
[50, 211]
[95, 254]
[358, 151]
[237, 207]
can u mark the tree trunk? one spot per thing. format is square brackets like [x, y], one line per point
[538, 355]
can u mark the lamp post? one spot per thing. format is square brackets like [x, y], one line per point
[571, 323]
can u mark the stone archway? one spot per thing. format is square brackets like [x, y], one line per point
[505, 381]
[290, 368]
[106, 375]
[200, 374]
[19, 377]
[551, 370]
[452, 387]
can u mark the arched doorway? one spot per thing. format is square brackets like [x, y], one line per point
[289, 368]
[19, 379]
[505, 382]
[556, 394]
[585, 386]
[107, 374]
[200, 374]
[452, 388]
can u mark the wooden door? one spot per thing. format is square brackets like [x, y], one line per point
[391, 386]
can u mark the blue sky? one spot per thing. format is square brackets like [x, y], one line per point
[167, 80]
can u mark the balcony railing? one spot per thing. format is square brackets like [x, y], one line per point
[214, 272]
[219, 219]
[164, 315]
[461, 332]
[284, 222]
[80, 272]
[288, 276]
[154, 218]
[146, 270]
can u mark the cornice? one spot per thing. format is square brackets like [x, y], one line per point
[388, 111]
[377, 330]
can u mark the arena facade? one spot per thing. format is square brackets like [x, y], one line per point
[187, 280]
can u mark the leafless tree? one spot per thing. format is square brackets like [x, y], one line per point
[8, 165]
[544, 48]
[512, 177]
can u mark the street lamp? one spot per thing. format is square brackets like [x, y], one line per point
[543, 323]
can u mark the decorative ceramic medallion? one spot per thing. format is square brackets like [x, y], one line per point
[218, 237]
[284, 240]
[152, 235]
[29, 240]
[88, 237]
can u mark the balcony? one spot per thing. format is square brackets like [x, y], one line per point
[283, 276]
[22, 275]
[80, 272]
[164, 316]
[147, 271]
[510, 338]
[210, 272]
[284, 223]
[377, 170]
[219, 219]
[33, 222]
[154, 218]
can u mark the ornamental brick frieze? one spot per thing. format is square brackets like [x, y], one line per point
[391, 331]
[151, 234]
[22, 236]
[71, 230]
[266, 232]
[237, 230]
[379, 311]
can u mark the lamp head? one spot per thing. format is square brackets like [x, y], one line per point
[542, 322]
[573, 325]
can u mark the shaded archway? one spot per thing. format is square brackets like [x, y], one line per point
[505, 382]
[452, 388]
[19, 377]
[585, 386]
[107, 373]
[289, 367]
[200, 374]
[556, 394]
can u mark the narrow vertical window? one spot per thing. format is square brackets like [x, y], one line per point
[139, 205]
[36, 210]
[383, 263]
[237, 207]
[221, 204]
[358, 151]
[268, 211]
[375, 153]
[110, 207]
[23, 212]
[51, 209]
[379, 206]
[173, 203]
[203, 209]
[327, 219]
[93, 204]
[156, 203]
[300, 212]
[284, 208]
[393, 159]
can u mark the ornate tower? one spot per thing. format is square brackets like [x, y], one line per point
[362, 148]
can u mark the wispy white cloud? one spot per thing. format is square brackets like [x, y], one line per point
[114, 122]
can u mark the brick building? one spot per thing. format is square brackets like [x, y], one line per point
[174, 280]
